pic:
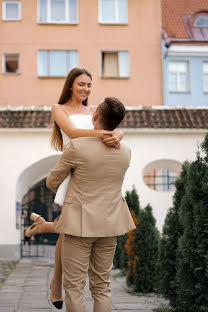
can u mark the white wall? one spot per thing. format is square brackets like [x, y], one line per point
[21, 149]
[154, 145]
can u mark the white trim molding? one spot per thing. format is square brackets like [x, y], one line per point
[187, 50]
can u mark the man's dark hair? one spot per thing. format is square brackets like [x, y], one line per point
[111, 112]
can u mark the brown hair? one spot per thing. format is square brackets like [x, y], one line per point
[111, 113]
[56, 138]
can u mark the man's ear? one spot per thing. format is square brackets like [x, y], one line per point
[95, 116]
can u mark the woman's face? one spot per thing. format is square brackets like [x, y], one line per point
[81, 87]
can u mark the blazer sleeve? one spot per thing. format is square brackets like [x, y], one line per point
[66, 163]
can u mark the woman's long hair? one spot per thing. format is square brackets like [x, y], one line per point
[56, 138]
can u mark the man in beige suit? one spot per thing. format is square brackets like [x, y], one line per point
[94, 212]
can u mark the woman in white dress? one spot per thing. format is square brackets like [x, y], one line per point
[72, 119]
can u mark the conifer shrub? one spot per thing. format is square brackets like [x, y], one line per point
[192, 264]
[132, 200]
[172, 231]
[121, 258]
[146, 248]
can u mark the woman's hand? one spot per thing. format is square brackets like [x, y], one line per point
[113, 138]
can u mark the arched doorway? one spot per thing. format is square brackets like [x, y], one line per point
[32, 195]
[40, 200]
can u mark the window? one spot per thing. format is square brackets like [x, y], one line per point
[58, 11]
[178, 76]
[11, 10]
[205, 76]
[160, 175]
[113, 11]
[11, 63]
[115, 64]
[201, 21]
[160, 179]
[56, 63]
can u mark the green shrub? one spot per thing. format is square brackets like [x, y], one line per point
[192, 264]
[172, 231]
[146, 247]
[132, 200]
[121, 259]
[163, 308]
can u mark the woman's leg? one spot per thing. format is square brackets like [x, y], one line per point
[49, 227]
[57, 276]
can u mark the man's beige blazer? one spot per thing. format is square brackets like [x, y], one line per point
[94, 206]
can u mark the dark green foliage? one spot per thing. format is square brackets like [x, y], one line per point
[185, 272]
[134, 207]
[192, 265]
[163, 308]
[132, 200]
[172, 231]
[146, 246]
[121, 257]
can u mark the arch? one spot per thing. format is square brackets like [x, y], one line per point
[33, 174]
[197, 26]
[200, 19]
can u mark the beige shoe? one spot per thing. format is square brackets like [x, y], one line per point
[57, 302]
[34, 217]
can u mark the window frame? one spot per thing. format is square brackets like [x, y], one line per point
[114, 77]
[165, 185]
[204, 73]
[48, 62]
[187, 76]
[4, 72]
[116, 22]
[19, 10]
[48, 19]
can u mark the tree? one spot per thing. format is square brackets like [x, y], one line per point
[132, 200]
[121, 258]
[146, 248]
[172, 231]
[192, 264]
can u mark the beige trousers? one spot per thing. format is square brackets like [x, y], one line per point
[95, 256]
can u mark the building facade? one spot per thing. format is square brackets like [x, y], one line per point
[160, 140]
[118, 41]
[185, 53]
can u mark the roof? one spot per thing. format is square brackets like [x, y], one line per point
[178, 17]
[157, 118]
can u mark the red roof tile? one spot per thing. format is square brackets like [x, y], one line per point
[161, 118]
[177, 17]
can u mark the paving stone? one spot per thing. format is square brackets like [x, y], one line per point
[27, 290]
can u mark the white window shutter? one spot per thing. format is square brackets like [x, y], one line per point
[123, 61]
[58, 63]
[43, 63]
[73, 59]
[73, 11]
[107, 11]
[123, 11]
[42, 14]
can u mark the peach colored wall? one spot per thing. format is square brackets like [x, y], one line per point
[141, 37]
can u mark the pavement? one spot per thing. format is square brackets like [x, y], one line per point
[26, 289]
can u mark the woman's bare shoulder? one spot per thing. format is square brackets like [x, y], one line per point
[55, 106]
[59, 109]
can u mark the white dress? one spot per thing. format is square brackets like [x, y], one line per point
[80, 122]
